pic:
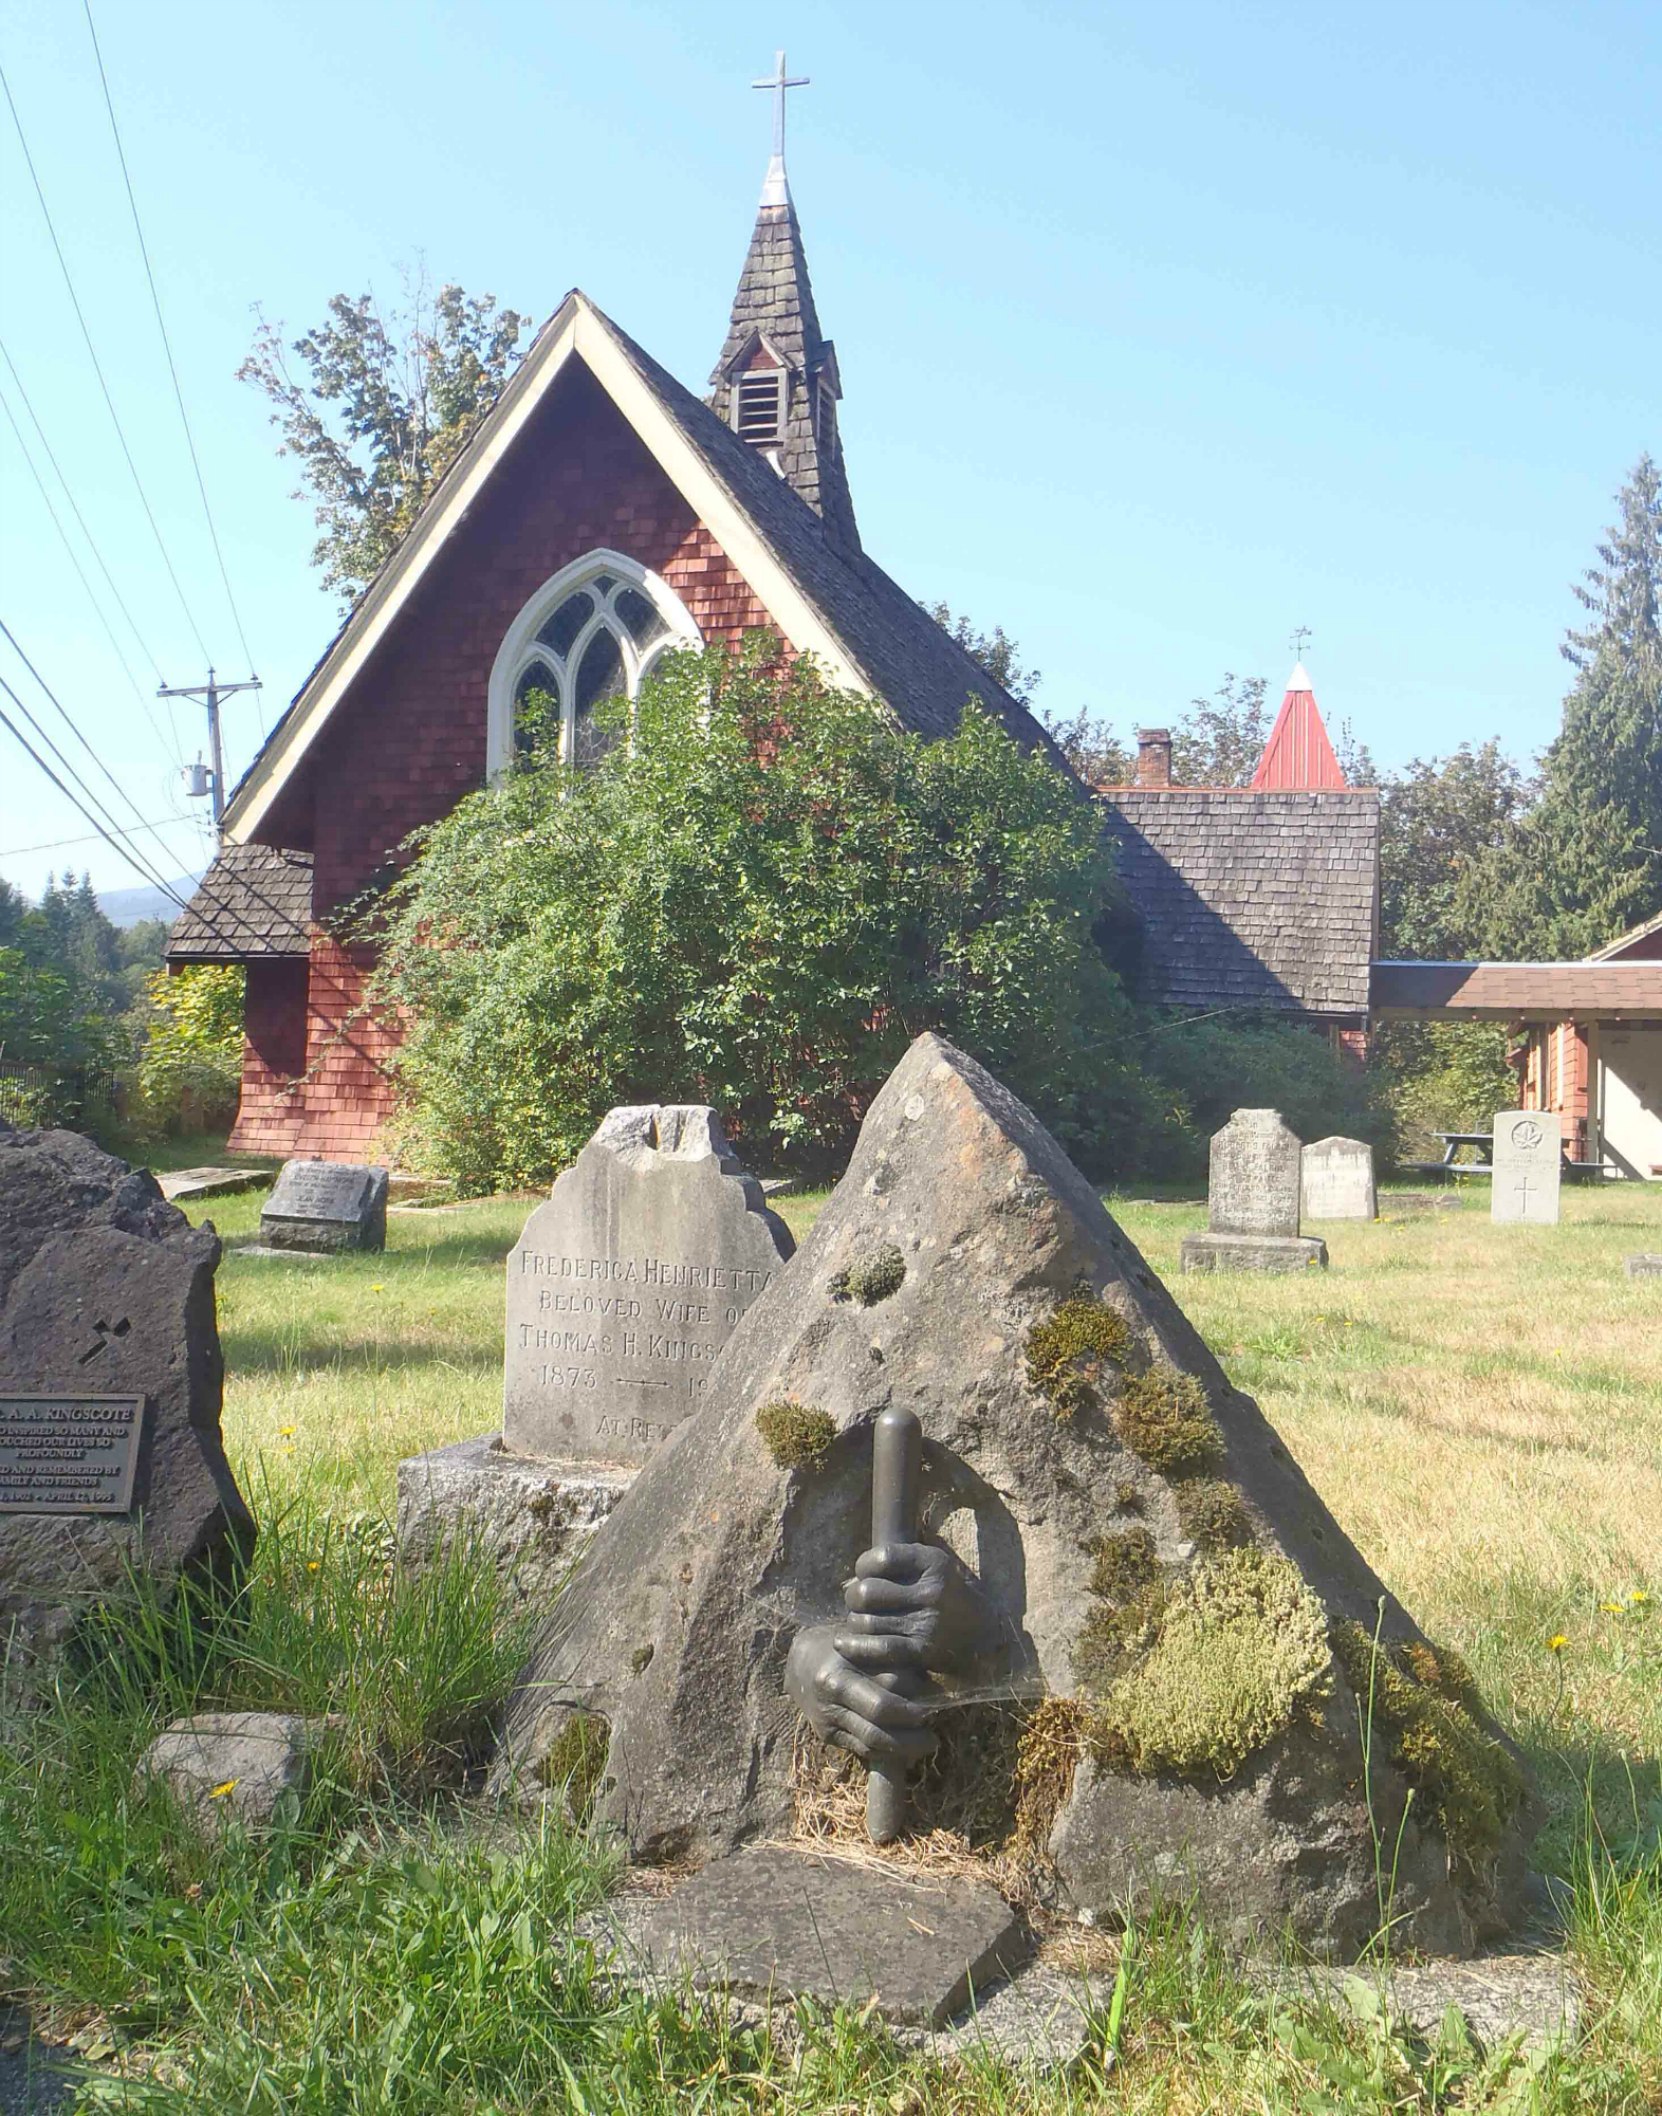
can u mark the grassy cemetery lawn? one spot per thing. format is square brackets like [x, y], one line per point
[1481, 1406]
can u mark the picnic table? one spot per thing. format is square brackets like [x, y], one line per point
[1482, 1143]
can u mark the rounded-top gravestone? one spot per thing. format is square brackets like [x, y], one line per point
[628, 1282]
[1528, 1154]
[1338, 1181]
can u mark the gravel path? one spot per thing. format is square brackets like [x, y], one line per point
[30, 2084]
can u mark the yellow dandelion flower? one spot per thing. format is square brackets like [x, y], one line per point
[377, 1289]
[1557, 1642]
[311, 1564]
[229, 1786]
[1611, 1608]
[285, 1432]
[1639, 1597]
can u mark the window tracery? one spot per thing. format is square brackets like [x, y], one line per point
[593, 632]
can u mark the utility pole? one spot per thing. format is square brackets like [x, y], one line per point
[211, 693]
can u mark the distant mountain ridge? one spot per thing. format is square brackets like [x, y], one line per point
[126, 907]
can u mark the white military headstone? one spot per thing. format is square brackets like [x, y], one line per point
[626, 1285]
[1527, 1167]
[1338, 1180]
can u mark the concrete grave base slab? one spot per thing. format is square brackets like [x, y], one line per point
[184, 1185]
[798, 1923]
[534, 1518]
[1253, 1252]
[1532, 1996]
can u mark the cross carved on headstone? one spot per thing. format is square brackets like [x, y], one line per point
[103, 1332]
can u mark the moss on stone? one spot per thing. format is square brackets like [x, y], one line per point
[1237, 1644]
[1046, 1759]
[1127, 1497]
[576, 1761]
[1470, 1783]
[1123, 1566]
[1211, 1513]
[1163, 1417]
[870, 1278]
[1066, 1353]
[796, 1435]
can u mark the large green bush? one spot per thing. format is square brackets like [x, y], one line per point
[756, 902]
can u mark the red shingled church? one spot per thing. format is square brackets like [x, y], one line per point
[602, 515]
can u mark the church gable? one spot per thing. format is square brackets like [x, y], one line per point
[578, 520]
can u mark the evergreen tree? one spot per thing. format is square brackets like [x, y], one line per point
[1587, 862]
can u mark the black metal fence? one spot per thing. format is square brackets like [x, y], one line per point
[78, 1097]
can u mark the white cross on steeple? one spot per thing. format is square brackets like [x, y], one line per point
[775, 190]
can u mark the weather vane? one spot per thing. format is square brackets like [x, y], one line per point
[1297, 641]
[779, 81]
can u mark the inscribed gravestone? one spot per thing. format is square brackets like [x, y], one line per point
[628, 1282]
[1527, 1167]
[325, 1206]
[1337, 1176]
[110, 1382]
[1252, 1200]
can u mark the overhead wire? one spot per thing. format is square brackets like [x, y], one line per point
[167, 343]
[98, 370]
[75, 560]
[16, 852]
[203, 890]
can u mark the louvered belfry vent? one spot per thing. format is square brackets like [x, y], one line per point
[759, 406]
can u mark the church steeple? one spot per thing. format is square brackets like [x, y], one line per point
[776, 382]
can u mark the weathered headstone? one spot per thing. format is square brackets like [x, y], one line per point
[1528, 1163]
[621, 1292]
[1337, 1180]
[325, 1206]
[1252, 1201]
[110, 1382]
[1144, 1633]
[626, 1284]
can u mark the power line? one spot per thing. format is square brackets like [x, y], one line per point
[119, 843]
[80, 571]
[75, 507]
[16, 852]
[92, 355]
[218, 903]
[167, 346]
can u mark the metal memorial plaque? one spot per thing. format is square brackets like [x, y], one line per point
[69, 1454]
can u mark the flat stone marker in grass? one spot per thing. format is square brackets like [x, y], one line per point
[1644, 1265]
[323, 1207]
[800, 1924]
[1252, 1201]
[1337, 1180]
[1528, 1159]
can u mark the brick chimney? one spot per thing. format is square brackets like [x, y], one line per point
[1153, 756]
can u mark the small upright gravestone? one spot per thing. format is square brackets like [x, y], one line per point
[110, 1380]
[321, 1207]
[1252, 1201]
[1338, 1183]
[621, 1291]
[1528, 1156]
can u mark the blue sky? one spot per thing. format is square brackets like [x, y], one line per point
[1163, 330]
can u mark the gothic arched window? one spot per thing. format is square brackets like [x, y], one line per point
[592, 632]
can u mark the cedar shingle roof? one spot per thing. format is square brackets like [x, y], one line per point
[1251, 899]
[1513, 991]
[253, 902]
[775, 303]
[918, 669]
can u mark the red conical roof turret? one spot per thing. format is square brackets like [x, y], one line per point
[1298, 757]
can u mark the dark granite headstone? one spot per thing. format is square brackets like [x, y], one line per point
[326, 1206]
[800, 1924]
[110, 1383]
